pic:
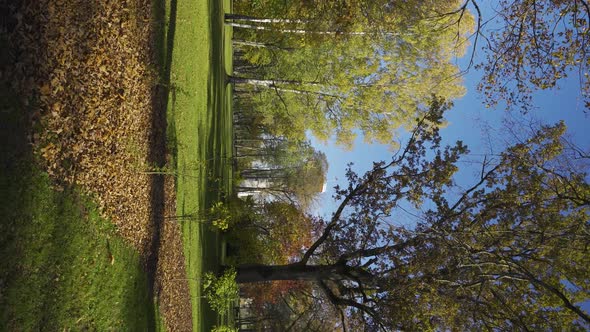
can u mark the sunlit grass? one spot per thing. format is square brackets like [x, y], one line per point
[199, 113]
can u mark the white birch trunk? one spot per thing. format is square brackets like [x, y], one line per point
[230, 17]
[269, 83]
[296, 31]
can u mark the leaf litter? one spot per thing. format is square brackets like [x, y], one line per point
[88, 72]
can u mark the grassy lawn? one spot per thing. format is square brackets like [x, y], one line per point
[200, 120]
[62, 265]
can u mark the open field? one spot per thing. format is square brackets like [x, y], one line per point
[93, 95]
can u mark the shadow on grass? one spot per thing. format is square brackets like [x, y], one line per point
[217, 143]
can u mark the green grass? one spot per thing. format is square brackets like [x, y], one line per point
[160, 325]
[56, 271]
[198, 50]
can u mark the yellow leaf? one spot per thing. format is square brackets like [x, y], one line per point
[45, 89]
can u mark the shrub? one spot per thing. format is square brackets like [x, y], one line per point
[220, 215]
[221, 292]
[224, 328]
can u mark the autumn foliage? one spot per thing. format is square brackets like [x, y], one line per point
[281, 232]
[290, 230]
[268, 293]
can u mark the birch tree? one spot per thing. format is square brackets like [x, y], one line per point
[367, 75]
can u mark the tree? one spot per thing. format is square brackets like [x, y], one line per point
[279, 230]
[289, 230]
[533, 45]
[284, 169]
[510, 252]
[336, 17]
[282, 231]
[369, 73]
[296, 310]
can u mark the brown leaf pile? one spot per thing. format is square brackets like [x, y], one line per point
[95, 99]
[86, 69]
[171, 273]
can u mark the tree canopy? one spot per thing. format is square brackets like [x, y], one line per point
[280, 169]
[530, 45]
[349, 67]
[509, 252]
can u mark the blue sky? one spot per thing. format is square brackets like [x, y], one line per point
[470, 122]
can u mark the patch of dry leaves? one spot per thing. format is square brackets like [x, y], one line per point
[171, 273]
[87, 69]
[95, 97]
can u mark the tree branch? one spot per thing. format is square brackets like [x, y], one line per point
[338, 301]
[361, 187]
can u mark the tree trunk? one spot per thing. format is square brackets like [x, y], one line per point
[306, 92]
[257, 272]
[272, 84]
[238, 17]
[237, 42]
[298, 31]
[268, 83]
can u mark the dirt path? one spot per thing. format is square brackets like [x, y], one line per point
[87, 71]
